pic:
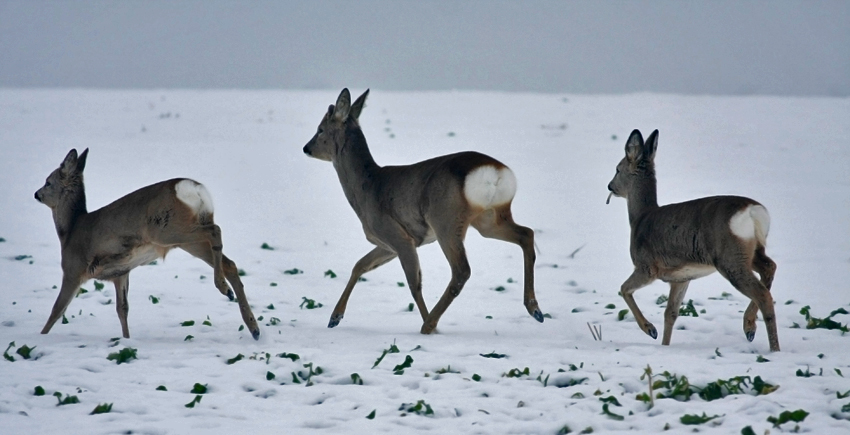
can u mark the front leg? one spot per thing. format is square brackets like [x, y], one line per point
[671, 313]
[122, 304]
[374, 259]
[70, 286]
[637, 280]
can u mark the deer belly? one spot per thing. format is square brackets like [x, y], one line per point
[687, 272]
[110, 267]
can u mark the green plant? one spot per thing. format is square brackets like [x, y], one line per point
[293, 356]
[235, 359]
[399, 369]
[310, 304]
[607, 412]
[410, 306]
[161, 388]
[445, 370]
[499, 288]
[418, 408]
[515, 373]
[154, 299]
[476, 377]
[371, 415]
[356, 379]
[39, 391]
[187, 323]
[293, 271]
[6, 352]
[493, 355]
[308, 376]
[103, 408]
[786, 416]
[392, 349]
[25, 351]
[194, 401]
[199, 389]
[330, 273]
[122, 356]
[622, 314]
[825, 323]
[68, 400]
[266, 246]
[688, 309]
[693, 419]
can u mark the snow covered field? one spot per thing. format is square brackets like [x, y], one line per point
[791, 154]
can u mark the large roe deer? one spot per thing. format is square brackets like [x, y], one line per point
[108, 243]
[677, 243]
[404, 207]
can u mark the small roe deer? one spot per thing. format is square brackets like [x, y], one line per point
[677, 243]
[404, 207]
[108, 243]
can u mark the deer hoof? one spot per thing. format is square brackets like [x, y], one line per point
[427, 329]
[751, 335]
[256, 334]
[335, 319]
[537, 315]
[230, 295]
[652, 332]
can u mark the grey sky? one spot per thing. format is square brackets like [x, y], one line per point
[694, 47]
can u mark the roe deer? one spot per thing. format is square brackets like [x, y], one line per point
[404, 207]
[677, 243]
[142, 226]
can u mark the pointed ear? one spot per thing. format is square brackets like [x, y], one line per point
[650, 146]
[343, 106]
[634, 146]
[357, 107]
[81, 161]
[69, 165]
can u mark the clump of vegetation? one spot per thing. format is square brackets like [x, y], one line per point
[293, 356]
[235, 359]
[493, 355]
[39, 391]
[199, 388]
[102, 408]
[266, 246]
[392, 349]
[688, 309]
[826, 322]
[154, 299]
[330, 273]
[24, 351]
[194, 401]
[308, 375]
[399, 369]
[293, 271]
[672, 386]
[786, 416]
[693, 419]
[68, 400]
[356, 379]
[123, 355]
[418, 408]
[310, 304]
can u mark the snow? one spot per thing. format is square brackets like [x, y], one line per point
[790, 154]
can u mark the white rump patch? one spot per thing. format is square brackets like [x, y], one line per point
[487, 186]
[195, 195]
[750, 223]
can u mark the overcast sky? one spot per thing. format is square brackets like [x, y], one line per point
[694, 47]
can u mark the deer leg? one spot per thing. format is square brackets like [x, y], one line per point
[671, 313]
[499, 224]
[70, 287]
[122, 304]
[371, 261]
[209, 234]
[410, 263]
[205, 252]
[451, 242]
[766, 268]
[637, 280]
[745, 282]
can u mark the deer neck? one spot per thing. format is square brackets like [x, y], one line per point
[642, 197]
[66, 215]
[356, 168]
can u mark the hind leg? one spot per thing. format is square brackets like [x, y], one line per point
[122, 304]
[228, 269]
[745, 281]
[671, 313]
[766, 269]
[499, 224]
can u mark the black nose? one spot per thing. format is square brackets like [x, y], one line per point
[36, 197]
[610, 189]
[306, 151]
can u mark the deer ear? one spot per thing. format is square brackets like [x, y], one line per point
[343, 106]
[650, 146]
[357, 107]
[70, 163]
[634, 146]
[81, 161]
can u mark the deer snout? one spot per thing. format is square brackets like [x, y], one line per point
[306, 149]
[37, 197]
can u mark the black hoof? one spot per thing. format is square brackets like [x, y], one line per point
[255, 334]
[537, 315]
[652, 332]
[751, 335]
[231, 296]
[335, 319]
